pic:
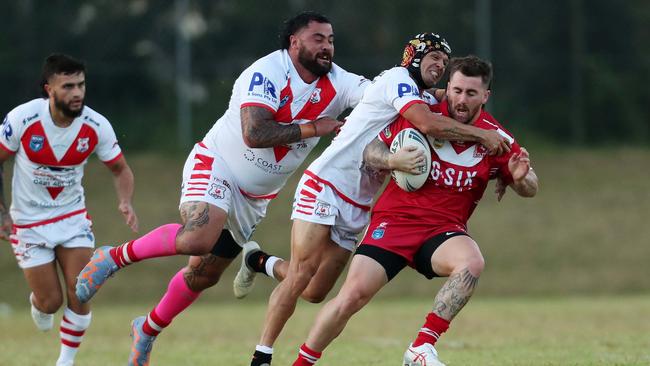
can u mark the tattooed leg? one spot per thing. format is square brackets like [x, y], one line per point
[202, 225]
[205, 271]
[454, 294]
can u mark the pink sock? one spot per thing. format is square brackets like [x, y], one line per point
[177, 298]
[160, 242]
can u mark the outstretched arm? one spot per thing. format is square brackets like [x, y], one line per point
[525, 181]
[124, 186]
[409, 159]
[260, 129]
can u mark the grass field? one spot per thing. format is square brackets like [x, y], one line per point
[535, 331]
[566, 281]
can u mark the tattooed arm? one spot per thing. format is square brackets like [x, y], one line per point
[260, 130]
[376, 156]
[448, 129]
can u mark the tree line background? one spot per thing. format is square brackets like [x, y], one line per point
[566, 72]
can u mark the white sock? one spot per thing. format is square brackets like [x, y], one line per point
[73, 327]
[265, 349]
[268, 268]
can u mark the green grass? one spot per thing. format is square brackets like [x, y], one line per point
[489, 331]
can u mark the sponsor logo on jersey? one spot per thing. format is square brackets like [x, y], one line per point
[217, 191]
[284, 101]
[82, 144]
[87, 118]
[480, 151]
[249, 155]
[36, 143]
[407, 89]
[29, 119]
[7, 131]
[322, 209]
[379, 231]
[315, 96]
[387, 132]
[268, 90]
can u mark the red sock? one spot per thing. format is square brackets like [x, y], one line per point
[123, 254]
[432, 329]
[306, 356]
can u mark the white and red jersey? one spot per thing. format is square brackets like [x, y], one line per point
[389, 95]
[49, 164]
[272, 82]
[460, 173]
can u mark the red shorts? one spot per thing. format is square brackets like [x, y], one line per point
[404, 235]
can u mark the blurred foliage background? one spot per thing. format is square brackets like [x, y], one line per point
[571, 82]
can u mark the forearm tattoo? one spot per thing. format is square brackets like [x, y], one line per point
[194, 216]
[195, 273]
[261, 130]
[454, 294]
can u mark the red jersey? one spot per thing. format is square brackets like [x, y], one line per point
[460, 173]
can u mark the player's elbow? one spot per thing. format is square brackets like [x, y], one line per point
[432, 129]
[251, 141]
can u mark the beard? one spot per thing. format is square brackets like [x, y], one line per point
[468, 113]
[66, 110]
[311, 62]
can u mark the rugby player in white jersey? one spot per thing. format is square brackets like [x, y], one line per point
[332, 200]
[52, 138]
[280, 106]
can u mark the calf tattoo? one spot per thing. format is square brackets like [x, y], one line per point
[195, 273]
[454, 294]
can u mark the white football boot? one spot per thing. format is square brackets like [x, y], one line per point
[423, 355]
[43, 321]
[243, 283]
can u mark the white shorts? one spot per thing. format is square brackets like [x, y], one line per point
[317, 202]
[207, 178]
[34, 246]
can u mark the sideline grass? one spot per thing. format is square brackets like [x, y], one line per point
[582, 331]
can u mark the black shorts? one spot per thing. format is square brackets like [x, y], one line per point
[394, 263]
[226, 246]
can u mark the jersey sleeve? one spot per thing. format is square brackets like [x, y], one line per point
[11, 127]
[108, 150]
[260, 85]
[400, 91]
[354, 86]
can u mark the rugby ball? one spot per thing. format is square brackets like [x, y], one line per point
[411, 137]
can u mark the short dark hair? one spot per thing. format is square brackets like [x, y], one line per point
[58, 63]
[298, 22]
[472, 66]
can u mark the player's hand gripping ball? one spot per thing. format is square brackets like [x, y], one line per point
[411, 137]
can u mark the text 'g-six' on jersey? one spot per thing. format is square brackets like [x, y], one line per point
[50, 160]
[460, 172]
[273, 83]
[390, 94]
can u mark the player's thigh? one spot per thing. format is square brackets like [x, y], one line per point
[332, 263]
[455, 252]
[205, 271]
[72, 261]
[365, 278]
[202, 225]
[309, 240]
[43, 280]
